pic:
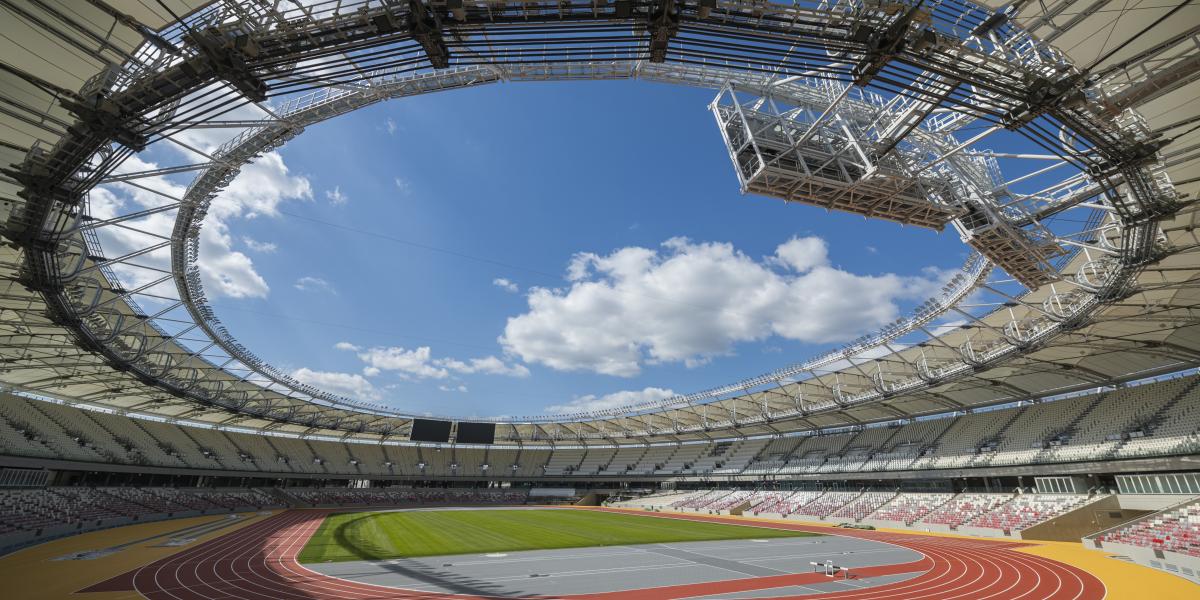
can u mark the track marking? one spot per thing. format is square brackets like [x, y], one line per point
[259, 562]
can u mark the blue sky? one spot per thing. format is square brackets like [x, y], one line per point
[517, 248]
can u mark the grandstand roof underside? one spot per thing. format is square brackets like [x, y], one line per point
[1155, 330]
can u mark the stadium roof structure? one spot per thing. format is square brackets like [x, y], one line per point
[1084, 248]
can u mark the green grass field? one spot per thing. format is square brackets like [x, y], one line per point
[378, 536]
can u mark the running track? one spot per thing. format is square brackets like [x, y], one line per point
[258, 562]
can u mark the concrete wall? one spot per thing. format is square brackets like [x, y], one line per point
[883, 523]
[767, 515]
[1152, 502]
[1182, 565]
[1083, 521]
[984, 532]
[591, 499]
[740, 509]
[937, 527]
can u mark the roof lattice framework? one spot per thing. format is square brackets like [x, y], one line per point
[899, 98]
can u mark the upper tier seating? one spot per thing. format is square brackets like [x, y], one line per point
[1147, 420]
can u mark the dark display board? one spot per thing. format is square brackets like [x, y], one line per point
[428, 430]
[476, 433]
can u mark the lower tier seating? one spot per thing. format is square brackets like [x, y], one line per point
[1176, 530]
[991, 511]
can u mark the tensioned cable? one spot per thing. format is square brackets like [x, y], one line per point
[1137, 35]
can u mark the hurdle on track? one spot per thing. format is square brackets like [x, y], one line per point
[830, 569]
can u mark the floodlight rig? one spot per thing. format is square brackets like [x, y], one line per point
[793, 153]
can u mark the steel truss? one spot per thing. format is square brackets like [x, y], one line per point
[792, 111]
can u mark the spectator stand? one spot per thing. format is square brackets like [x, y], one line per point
[1168, 540]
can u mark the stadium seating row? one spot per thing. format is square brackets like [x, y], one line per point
[1175, 530]
[1156, 419]
[30, 510]
[989, 511]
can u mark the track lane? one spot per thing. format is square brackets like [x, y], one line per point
[259, 562]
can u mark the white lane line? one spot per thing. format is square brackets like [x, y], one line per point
[550, 576]
[450, 558]
[767, 593]
[752, 561]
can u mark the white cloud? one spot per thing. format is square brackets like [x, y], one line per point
[455, 388]
[336, 197]
[346, 346]
[415, 363]
[689, 302]
[506, 285]
[402, 185]
[488, 365]
[419, 363]
[260, 247]
[390, 126]
[592, 402]
[351, 385]
[258, 190]
[803, 254]
[309, 283]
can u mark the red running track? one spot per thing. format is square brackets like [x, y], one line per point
[258, 562]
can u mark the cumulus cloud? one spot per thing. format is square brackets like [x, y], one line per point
[261, 247]
[308, 283]
[419, 363]
[351, 385]
[488, 365]
[592, 402]
[416, 363]
[506, 285]
[802, 254]
[689, 302]
[336, 197]
[258, 190]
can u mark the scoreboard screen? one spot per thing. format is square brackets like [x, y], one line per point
[429, 430]
[476, 433]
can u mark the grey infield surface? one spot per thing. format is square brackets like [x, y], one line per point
[548, 573]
